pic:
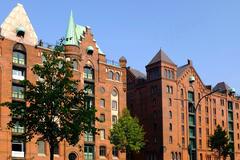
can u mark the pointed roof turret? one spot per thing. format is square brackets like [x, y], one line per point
[161, 56]
[71, 37]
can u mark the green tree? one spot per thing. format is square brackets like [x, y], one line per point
[127, 135]
[54, 108]
[219, 142]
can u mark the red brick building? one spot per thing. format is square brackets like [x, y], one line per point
[106, 81]
[164, 101]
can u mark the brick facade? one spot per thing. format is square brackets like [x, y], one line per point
[104, 88]
[162, 102]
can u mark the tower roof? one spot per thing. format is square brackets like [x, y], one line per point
[161, 56]
[71, 37]
[18, 19]
[222, 87]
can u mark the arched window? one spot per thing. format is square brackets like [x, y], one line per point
[114, 93]
[117, 77]
[19, 54]
[110, 75]
[75, 64]
[88, 73]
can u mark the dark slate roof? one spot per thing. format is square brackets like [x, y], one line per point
[222, 86]
[137, 74]
[181, 70]
[161, 56]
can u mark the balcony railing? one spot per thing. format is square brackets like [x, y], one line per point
[113, 63]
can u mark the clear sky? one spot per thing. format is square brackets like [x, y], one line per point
[206, 31]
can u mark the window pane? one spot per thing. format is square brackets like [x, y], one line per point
[114, 105]
[102, 103]
[102, 151]
[114, 119]
[102, 134]
[41, 147]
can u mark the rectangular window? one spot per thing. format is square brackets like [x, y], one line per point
[114, 119]
[206, 109]
[41, 147]
[88, 73]
[17, 92]
[18, 74]
[17, 128]
[89, 102]
[230, 116]
[115, 152]
[102, 103]
[183, 130]
[89, 88]
[207, 132]
[191, 120]
[230, 126]
[199, 120]
[102, 118]
[114, 105]
[170, 139]
[102, 151]
[214, 111]
[200, 143]
[200, 132]
[237, 106]
[207, 120]
[56, 149]
[215, 122]
[222, 102]
[182, 117]
[102, 134]
[88, 152]
[183, 141]
[18, 148]
[192, 132]
[88, 137]
[18, 58]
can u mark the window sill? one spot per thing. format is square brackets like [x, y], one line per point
[41, 155]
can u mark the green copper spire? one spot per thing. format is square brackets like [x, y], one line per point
[71, 38]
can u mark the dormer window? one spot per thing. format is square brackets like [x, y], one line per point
[20, 31]
[90, 50]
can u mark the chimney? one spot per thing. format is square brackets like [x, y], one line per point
[189, 62]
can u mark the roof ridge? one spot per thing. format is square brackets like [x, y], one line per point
[161, 56]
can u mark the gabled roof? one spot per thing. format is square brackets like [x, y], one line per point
[137, 73]
[181, 69]
[18, 18]
[161, 56]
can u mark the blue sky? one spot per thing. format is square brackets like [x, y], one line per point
[208, 32]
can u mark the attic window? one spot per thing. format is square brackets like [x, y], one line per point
[90, 50]
[20, 31]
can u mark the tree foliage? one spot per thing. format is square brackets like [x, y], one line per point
[219, 142]
[54, 108]
[127, 134]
